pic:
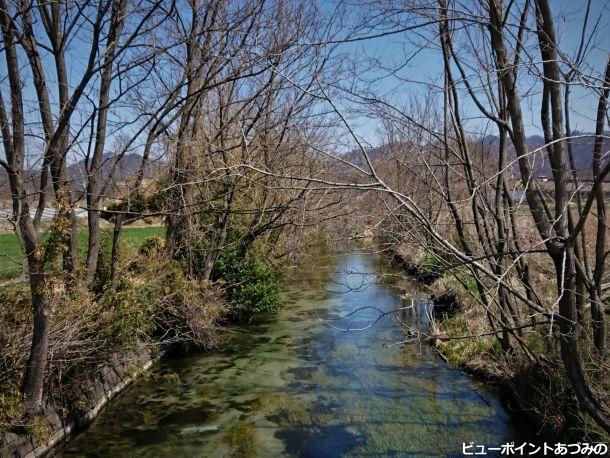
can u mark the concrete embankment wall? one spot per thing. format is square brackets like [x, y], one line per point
[57, 424]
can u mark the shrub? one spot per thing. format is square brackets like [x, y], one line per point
[188, 314]
[152, 246]
[102, 273]
[128, 314]
[252, 286]
[153, 304]
[14, 314]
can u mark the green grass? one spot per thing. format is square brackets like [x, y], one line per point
[11, 257]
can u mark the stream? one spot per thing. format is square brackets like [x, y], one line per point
[296, 383]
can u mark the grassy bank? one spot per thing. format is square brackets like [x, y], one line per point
[534, 379]
[11, 258]
[153, 305]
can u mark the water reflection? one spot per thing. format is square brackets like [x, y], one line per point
[294, 384]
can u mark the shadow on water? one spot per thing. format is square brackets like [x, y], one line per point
[295, 384]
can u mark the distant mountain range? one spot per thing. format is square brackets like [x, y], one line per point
[126, 168]
[582, 151]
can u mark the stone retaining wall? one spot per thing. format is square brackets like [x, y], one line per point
[60, 423]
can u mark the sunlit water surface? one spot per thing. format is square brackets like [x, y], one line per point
[296, 385]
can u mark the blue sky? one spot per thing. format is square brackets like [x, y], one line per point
[425, 66]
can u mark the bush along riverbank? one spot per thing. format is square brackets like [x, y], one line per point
[104, 336]
[534, 380]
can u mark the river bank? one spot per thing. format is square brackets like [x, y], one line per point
[100, 340]
[536, 389]
[57, 424]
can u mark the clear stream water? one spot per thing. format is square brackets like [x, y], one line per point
[295, 385]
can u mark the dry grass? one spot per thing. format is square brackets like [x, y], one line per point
[153, 305]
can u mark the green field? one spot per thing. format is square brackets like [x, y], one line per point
[11, 257]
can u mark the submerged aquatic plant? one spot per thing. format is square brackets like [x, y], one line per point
[241, 438]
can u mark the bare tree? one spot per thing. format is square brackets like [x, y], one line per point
[64, 24]
[474, 229]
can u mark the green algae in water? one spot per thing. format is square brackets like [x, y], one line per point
[261, 402]
[292, 385]
[241, 438]
[208, 390]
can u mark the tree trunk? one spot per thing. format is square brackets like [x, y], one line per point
[569, 344]
[93, 240]
[37, 361]
[114, 256]
[93, 197]
[14, 149]
[218, 240]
